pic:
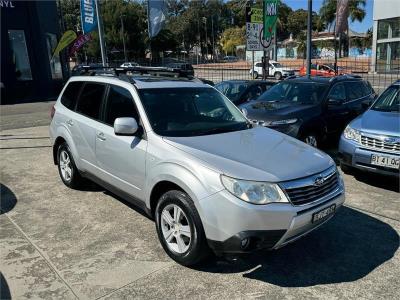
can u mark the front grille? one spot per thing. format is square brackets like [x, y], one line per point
[379, 144]
[307, 190]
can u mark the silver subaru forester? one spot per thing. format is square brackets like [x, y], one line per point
[183, 152]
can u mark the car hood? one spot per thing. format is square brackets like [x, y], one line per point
[378, 122]
[259, 154]
[264, 110]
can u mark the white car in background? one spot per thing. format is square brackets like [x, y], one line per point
[275, 69]
[129, 65]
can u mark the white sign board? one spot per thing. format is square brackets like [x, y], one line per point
[254, 37]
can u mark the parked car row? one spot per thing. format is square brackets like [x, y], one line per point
[317, 109]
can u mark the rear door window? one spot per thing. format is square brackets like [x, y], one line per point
[119, 104]
[90, 100]
[71, 93]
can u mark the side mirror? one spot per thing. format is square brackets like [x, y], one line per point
[366, 105]
[335, 102]
[125, 126]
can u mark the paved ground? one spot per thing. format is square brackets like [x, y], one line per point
[65, 244]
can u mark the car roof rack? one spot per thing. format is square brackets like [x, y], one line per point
[127, 74]
[344, 76]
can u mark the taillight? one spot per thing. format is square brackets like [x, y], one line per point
[52, 112]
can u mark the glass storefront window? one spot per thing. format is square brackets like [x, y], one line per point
[383, 29]
[20, 57]
[388, 57]
[55, 64]
[389, 28]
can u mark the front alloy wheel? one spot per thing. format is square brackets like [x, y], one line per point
[175, 228]
[180, 229]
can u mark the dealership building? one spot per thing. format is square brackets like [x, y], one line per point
[30, 31]
[386, 36]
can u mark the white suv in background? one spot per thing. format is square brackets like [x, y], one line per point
[275, 69]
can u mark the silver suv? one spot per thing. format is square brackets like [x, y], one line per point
[185, 154]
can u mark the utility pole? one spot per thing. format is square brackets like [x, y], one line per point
[198, 30]
[205, 27]
[213, 41]
[123, 37]
[309, 32]
[101, 34]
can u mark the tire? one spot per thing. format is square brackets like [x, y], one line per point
[255, 75]
[311, 139]
[187, 228]
[278, 75]
[67, 169]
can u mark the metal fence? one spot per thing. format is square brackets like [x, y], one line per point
[241, 70]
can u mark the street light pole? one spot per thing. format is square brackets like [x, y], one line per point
[309, 31]
[123, 37]
[101, 34]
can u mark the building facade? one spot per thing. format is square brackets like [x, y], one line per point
[386, 36]
[30, 31]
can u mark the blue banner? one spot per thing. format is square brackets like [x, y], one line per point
[88, 15]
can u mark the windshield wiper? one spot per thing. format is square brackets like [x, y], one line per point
[222, 129]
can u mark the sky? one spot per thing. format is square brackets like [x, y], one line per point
[355, 26]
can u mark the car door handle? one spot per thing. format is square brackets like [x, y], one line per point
[101, 136]
[70, 123]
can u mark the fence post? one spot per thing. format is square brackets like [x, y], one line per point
[222, 73]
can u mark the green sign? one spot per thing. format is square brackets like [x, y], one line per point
[256, 15]
[270, 17]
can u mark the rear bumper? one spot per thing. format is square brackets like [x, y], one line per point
[351, 154]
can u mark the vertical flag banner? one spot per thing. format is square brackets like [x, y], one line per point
[342, 15]
[79, 42]
[270, 17]
[88, 15]
[156, 16]
[68, 37]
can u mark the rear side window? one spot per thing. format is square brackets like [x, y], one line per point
[71, 93]
[90, 100]
[356, 89]
[119, 104]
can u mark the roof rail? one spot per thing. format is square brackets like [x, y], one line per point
[123, 73]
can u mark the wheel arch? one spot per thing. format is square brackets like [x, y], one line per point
[64, 136]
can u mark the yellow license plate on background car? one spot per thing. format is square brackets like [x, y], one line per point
[385, 161]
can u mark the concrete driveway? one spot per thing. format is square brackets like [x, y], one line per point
[57, 243]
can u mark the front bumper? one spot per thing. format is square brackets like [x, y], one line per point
[355, 155]
[228, 221]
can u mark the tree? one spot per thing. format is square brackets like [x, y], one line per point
[231, 38]
[328, 11]
[282, 23]
[297, 22]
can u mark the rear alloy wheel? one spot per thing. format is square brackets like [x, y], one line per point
[278, 75]
[311, 139]
[66, 167]
[255, 75]
[179, 228]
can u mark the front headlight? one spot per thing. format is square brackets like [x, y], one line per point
[253, 191]
[284, 122]
[352, 134]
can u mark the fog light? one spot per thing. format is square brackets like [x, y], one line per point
[245, 243]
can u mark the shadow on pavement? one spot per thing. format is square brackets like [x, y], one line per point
[4, 289]
[7, 200]
[384, 182]
[347, 248]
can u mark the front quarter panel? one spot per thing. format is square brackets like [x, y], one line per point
[167, 163]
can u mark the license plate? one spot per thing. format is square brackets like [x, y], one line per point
[385, 161]
[324, 213]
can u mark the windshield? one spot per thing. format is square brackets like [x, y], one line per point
[388, 101]
[233, 90]
[191, 112]
[295, 92]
